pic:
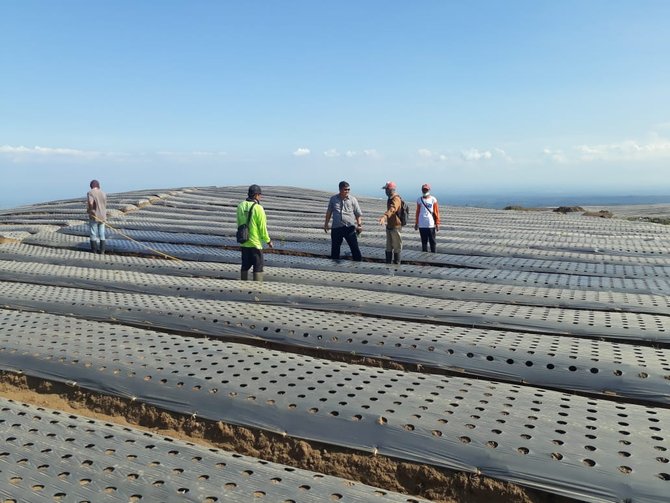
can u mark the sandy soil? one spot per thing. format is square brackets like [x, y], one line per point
[436, 484]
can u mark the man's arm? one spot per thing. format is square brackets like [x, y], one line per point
[416, 217]
[358, 214]
[329, 213]
[395, 206]
[436, 212]
[263, 226]
[90, 205]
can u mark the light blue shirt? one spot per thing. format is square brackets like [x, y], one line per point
[344, 211]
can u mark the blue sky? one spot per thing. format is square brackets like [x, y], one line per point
[476, 97]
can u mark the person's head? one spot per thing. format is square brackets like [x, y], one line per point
[344, 188]
[95, 184]
[425, 189]
[254, 191]
[390, 188]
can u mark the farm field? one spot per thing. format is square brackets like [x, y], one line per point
[527, 360]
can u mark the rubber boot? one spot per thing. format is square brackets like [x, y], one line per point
[244, 275]
[258, 276]
[396, 257]
[389, 256]
[94, 246]
[102, 247]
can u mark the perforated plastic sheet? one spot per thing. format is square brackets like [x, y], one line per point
[601, 324]
[315, 241]
[309, 237]
[565, 444]
[569, 257]
[594, 366]
[51, 456]
[192, 252]
[32, 229]
[301, 268]
[318, 283]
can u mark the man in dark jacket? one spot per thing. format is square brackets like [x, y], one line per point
[392, 221]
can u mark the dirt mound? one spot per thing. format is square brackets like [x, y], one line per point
[436, 484]
[569, 209]
[599, 214]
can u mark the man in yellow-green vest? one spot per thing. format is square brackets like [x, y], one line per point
[252, 249]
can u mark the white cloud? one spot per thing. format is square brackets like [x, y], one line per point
[46, 151]
[196, 153]
[476, 155]
[331, 153]
[501, 153]
[655, 148]
[471, 155]
[554, 155]
[301, 152]
[425, 153]
[370, 152]
[199, 153]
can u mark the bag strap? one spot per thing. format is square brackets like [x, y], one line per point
[432, 213]
[250, 211]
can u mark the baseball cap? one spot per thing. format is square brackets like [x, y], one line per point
[390, 185]
[253, 190]
[425, 186]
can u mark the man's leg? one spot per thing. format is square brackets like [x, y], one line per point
[431, 239]
[389, 246]
[93, 231]
[336, 236]
[424, 238]
[101, 235]
[396, 242]
[352, 241]
[246, 264]
[258, 264]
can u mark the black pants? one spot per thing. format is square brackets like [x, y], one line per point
[252, 257]
[427, 235]
[336, 237]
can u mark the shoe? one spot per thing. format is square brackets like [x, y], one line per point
[101, 251]
[244, 275]
[94, 246]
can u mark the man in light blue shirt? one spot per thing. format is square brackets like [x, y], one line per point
[347, 223]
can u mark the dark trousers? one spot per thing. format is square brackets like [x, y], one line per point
[252, 257]
[427, 236]
[336, 237]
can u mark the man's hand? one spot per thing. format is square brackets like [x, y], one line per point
[270, 244]
[382, 220]
[326, 227]
[416, 227]
[437, 228]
